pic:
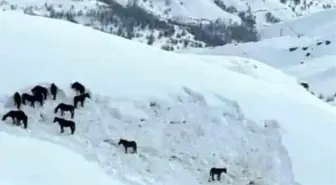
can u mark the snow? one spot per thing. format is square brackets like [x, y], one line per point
[256, 121]
[30, 161]
[318, 69]
[307, 25]
[188, 10]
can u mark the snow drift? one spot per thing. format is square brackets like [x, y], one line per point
[26, 160]
[195, 121]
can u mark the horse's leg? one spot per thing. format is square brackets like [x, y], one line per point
[72, 130]
[32, 103]
[25, 124]
[62, 112]
[72, 114]
[126, 149]
[218, 176]
[82, 102]
[62, 129]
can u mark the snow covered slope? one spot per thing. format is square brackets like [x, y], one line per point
[29, 161]
[309, 58]
[187, 113]
[173, 24]
[313, 25]
[226, 9]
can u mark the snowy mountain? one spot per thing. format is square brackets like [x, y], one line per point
[187, 113]
[304, 48]
[174, 24]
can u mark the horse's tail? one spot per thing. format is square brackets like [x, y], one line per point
[23, 98]
[211, 172]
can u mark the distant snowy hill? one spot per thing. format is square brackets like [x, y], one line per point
[305, 48]
[187, 113]
[174, 24]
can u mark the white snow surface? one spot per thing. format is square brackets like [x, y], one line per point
[191, 10]
[310, 25]
[210, 111]
[30, 161]
[318, 69]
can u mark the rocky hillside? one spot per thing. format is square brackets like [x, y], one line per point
[172, 24]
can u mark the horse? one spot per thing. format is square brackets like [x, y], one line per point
[78, 87]
[17, 116]
[17, 99]
[53, 90]
[40, 90]
[65, 107]
[128, 144]
[218, 172]
[305, 85]
[65, 123]
[32, 98]
[81, 99]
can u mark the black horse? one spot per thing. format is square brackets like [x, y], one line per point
[128, 144]
[78, 87]
[65, 107]
[65, 123]
[218, 172]
[53, 90]
[40, 90]
[305, 85]
[81, 99]
[17, 116]
[32, 98]
[17, 100]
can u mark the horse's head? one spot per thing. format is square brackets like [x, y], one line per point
[224, 170]
[87, 95]
[120, 141]
[73, 85]
[55, 119]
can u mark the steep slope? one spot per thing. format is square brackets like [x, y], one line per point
[183, 110]
[20, 163]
